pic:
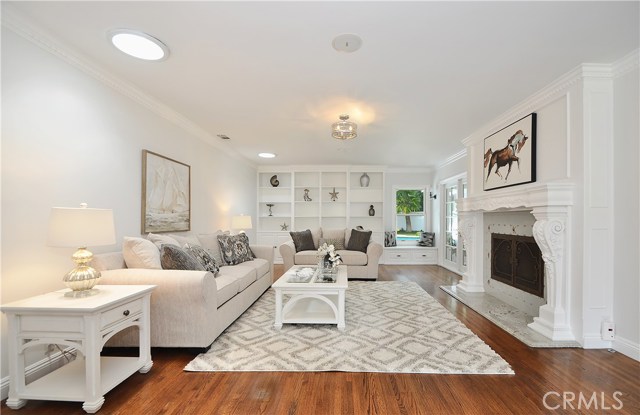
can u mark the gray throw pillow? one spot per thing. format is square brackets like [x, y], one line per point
[235, 249]
[303, 241]
[359, 240]
[207, 261]
[174, 257]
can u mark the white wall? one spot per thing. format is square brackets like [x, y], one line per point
[626, 290]
[68, 138]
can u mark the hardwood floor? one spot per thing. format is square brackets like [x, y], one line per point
[606, 382]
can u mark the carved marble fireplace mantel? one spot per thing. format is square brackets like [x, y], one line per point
[550, 205]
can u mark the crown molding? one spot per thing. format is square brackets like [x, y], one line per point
[626, 64]
[453, 158]
[18, 24]
[410, 170]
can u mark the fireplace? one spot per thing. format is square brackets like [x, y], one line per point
[517, 261]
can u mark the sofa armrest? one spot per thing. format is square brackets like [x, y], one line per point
[182, 303]
[264, 252]
[374, 251]
[288, 253]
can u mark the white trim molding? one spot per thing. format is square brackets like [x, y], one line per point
[627, 64]
[627, 347]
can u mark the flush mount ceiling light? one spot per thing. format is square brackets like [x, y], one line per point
[266, 155]
[344, 129]
[138, 44]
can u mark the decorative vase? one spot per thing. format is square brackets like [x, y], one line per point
[364, 180]
[372, 211]
[274, 180]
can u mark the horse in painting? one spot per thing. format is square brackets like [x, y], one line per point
[505, 156]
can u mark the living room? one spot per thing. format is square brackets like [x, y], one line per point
[74, 129]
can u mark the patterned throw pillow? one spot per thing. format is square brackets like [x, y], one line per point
[359, 240]
[207, 261]
[174, 257]
[235, 248]
[427, 239]
[390, 238]
[303, 241]
[337, 243]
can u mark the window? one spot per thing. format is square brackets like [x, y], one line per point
[451, 224]
[410, 214]
[454, 256]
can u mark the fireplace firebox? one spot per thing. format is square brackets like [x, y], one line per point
[517, 261]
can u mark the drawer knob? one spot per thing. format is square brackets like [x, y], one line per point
[398, 255]
[125, 312]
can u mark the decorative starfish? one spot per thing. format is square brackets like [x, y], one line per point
[334, 195]
[284, 227]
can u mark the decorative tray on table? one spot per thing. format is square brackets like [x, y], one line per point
[303, 275]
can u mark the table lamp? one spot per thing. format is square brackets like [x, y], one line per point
[79, 228]
[241, 222]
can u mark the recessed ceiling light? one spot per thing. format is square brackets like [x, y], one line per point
[138, 44]
[266, 155]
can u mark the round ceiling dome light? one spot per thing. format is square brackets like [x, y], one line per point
[347, 42]
[138, 44]
[266, 155]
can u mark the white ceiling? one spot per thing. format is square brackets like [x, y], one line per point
[265, 74]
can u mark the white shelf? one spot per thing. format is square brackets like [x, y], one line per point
[68, 382]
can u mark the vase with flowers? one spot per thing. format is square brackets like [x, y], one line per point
[329, 259]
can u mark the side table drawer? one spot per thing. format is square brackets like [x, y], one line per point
[120, 313]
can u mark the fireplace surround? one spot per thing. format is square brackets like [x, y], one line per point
[550, 205]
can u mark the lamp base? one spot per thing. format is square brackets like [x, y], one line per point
[82, 278]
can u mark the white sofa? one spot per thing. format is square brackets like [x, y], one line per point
[360, 265]
[190, 308]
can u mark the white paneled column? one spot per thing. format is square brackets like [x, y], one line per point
[470, 225]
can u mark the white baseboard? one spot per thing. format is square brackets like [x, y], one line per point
[595, 342]
[627, 347]
[40, 368]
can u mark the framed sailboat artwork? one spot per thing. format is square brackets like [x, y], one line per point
[166, 194]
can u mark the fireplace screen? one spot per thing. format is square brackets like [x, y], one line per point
[517, 261]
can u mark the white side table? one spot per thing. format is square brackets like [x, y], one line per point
[85, 324]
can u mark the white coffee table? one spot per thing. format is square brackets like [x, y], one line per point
[311, 302]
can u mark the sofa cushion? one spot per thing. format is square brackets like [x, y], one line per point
[160, 240]
[140, 253]
[185, 239]
[337, 243]
[359, 240]
[306, 258]
[303, 241]
[174, 257]
[316, 234]
[243, 274]
[209, 241]
[262, 266]
[227, 288]
[353, 257]
[205, 259]
[235, 248]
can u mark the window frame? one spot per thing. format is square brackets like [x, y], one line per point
[426, 217]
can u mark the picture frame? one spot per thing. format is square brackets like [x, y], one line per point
[510, 155]
[166, 194]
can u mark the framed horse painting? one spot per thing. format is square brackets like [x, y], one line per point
[510, 155]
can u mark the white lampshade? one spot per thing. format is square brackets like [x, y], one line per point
[81, 227]
[241, 222]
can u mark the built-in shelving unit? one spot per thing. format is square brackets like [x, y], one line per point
[349, 209]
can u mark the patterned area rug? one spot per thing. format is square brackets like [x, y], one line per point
[391, 327]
